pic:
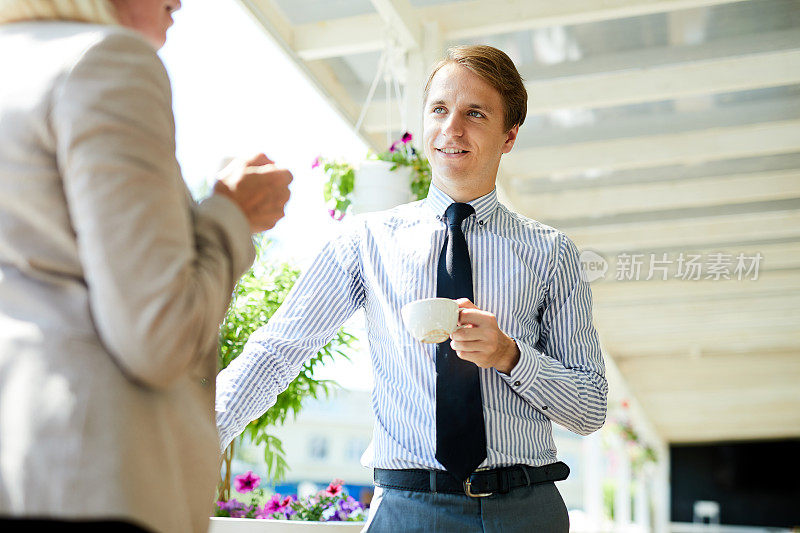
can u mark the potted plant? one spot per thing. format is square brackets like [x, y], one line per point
[259, 293]
[384, 180]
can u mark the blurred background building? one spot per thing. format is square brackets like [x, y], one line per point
[663, 137]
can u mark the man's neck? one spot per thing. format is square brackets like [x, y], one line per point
[461, 193]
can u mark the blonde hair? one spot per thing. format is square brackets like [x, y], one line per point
[95, 11]
[497, 69]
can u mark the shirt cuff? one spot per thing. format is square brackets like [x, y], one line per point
[523, 375]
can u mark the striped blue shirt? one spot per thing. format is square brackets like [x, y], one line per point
[524, 272]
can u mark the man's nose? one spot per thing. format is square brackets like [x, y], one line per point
[453, 126]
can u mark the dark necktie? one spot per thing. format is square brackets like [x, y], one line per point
[460, 433]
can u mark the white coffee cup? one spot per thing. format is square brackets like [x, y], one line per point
[431, 320]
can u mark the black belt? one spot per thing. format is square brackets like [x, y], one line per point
[480, 483]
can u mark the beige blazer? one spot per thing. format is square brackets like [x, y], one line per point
[112, 286]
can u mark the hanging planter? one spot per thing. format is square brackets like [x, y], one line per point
[378, 187]
[397, 176]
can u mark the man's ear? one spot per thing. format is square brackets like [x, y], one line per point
[511, 136]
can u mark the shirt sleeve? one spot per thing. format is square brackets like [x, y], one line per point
[563, 376]
[323, 298]
[159, 269]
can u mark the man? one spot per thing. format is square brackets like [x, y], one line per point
[462, 438]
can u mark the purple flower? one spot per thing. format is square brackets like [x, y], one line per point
[316, 162]
[235, 508]
[247, 482]
[338, 516]
[393, 147]
[242, 512]
[349, 504]
[406, 138]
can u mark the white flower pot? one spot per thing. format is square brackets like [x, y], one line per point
[252, 525]
[376, 187]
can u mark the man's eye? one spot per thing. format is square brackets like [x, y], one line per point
[438, 110]
[477, 114]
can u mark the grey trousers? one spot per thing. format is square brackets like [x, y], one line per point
[535, 509]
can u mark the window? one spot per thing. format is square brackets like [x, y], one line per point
[318, 447]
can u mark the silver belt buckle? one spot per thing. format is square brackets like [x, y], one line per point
[468, 491]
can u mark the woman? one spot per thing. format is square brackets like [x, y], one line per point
[112, 281]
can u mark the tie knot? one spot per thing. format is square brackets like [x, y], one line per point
[457, 212]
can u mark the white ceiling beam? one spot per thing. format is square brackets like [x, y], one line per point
[478, 18]
[677, 194]
[359, 34]
[715, 313]
[702, 344]
[688, 233]
[657, 56]
[757, 412]
[665, 82]
[662, 374]
[400, 15]
[689, 340]
[340, 37]
[656, 150]
[717, 398]
[608, 294]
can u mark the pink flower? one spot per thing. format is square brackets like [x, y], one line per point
[340, 217]
[316, 162]
[247, 482]
[406, 138]
[276, 504]
[393, 147]
[334, 489]
[273, 505]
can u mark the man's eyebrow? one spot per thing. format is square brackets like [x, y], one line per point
[479, 107]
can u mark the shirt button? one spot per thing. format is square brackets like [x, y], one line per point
[544, 408]
[204, 382]
[480, 222]
[517, 383]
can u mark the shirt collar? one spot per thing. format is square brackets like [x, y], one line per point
[438, 202]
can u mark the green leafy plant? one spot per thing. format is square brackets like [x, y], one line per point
[339, 187]
[341, 175]
[259, 293]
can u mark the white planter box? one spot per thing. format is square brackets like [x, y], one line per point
[376, 187]
[251, 525]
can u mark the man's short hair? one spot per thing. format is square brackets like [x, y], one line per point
[497, 69]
